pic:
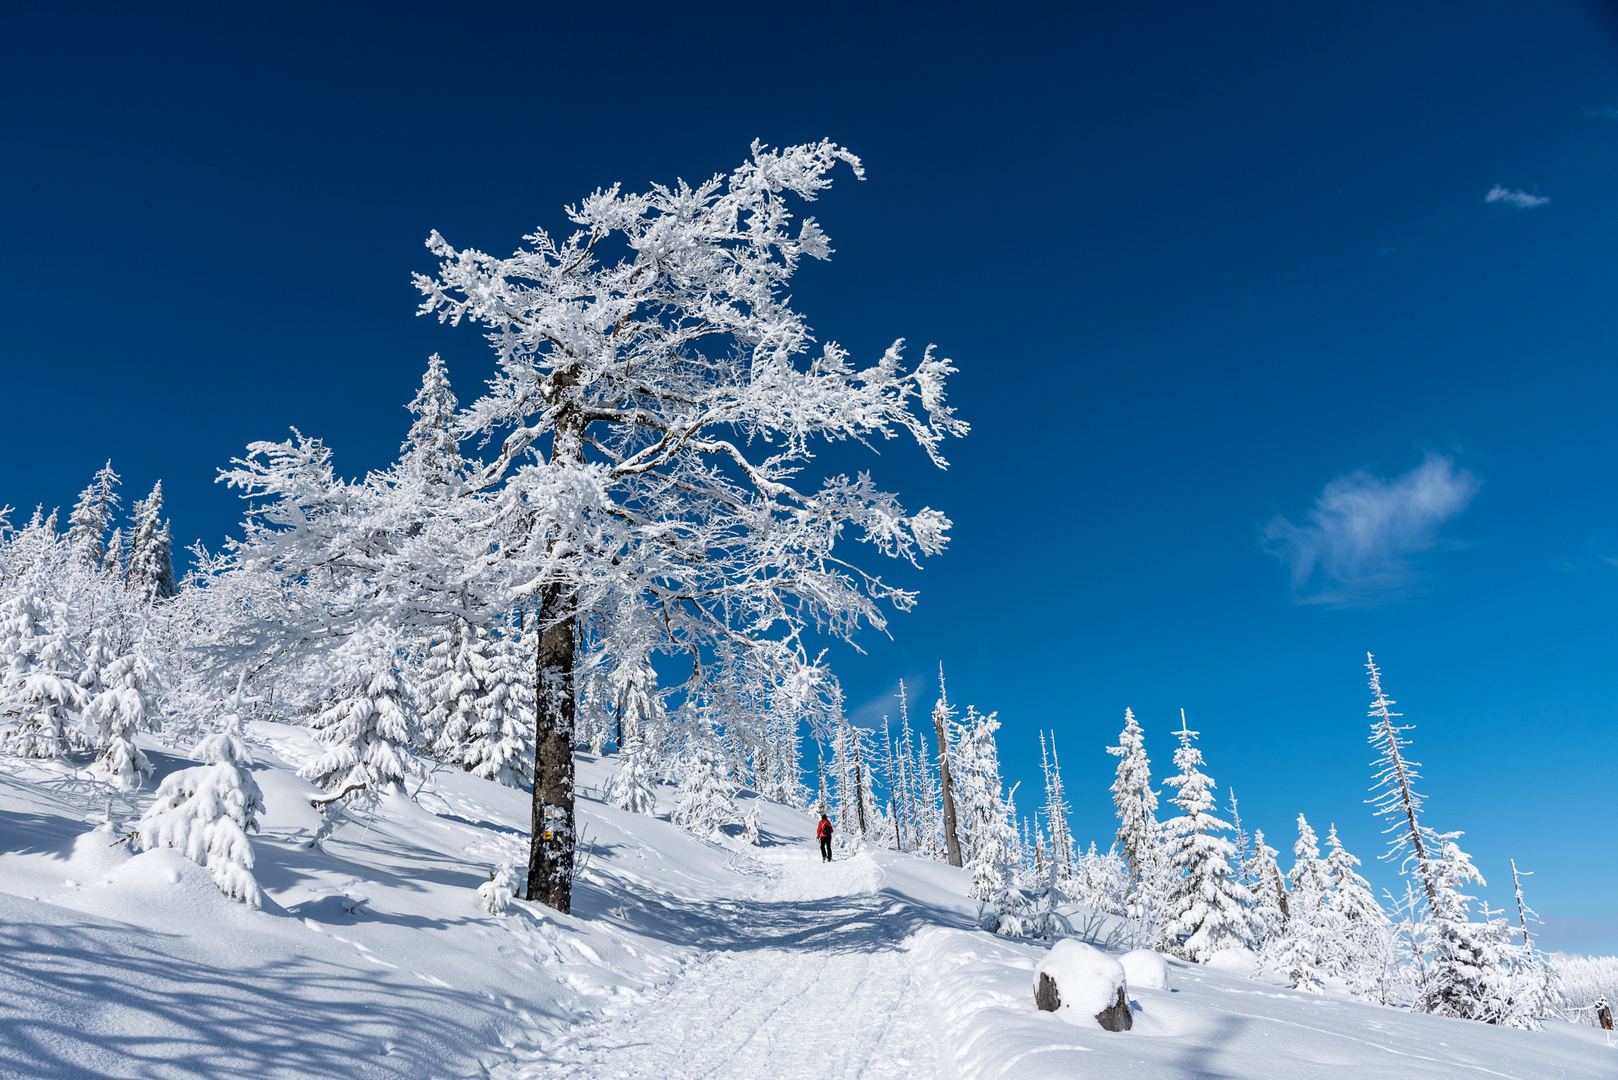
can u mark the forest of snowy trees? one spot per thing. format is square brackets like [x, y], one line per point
[641, 563]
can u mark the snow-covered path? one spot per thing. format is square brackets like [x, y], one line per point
[813, 981]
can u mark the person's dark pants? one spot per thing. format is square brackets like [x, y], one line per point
[825, 849]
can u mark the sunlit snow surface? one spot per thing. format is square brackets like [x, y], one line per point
[683, 958]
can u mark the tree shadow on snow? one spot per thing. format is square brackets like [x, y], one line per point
[850, 923]
[155, 1012]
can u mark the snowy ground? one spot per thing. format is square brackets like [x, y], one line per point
[682, 959]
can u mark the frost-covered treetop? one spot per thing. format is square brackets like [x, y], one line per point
[658, 397]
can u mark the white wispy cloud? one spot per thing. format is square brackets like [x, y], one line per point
[1360, 542]
[1511, 197]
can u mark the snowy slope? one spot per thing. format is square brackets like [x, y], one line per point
[371, 958]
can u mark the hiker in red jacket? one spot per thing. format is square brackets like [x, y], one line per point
[824, 830]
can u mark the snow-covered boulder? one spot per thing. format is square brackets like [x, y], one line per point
[1145, 969]
[1082, 985]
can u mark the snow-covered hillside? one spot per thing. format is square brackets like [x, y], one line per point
[372, 957]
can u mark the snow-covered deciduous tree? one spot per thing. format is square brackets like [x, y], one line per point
[1208, 908]
[40, 699]
[640, 358]
[368, 731]
[207, 811]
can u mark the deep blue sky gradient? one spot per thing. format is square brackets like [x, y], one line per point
[1193, 263]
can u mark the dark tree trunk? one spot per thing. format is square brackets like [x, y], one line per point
[859, 800]
[1281, 896]
[952, 844]
[550, 855]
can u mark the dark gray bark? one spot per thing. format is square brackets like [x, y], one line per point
[1116, 1017]
[1046, 996]
[952, 843]
[552, 837]
[859, 799]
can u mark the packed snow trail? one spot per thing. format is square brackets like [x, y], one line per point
[816, 984]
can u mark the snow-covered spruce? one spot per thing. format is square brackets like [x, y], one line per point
[1140, 836]
[122, 705]
[703, 804]
[40, 699]
[1208, 909]
[206, 812]
[368, 732]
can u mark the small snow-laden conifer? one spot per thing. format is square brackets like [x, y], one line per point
[1314, 931]
[1101, 881]
[1140, 837]
[1270, 904]
[494, 895]
[431, 465]
[368, 730]
[1209, 908]
[1047, 921]
[150, 575]
[122, 705]
[750, 823]
[994, 878]
[632, 783]
[987, 836]
[1465, 954]
[40, 698]
[704, 802]
[1362, 953]
[92, 515]
[112, 562]
[206, 811]
[463, 676]
[499, 744]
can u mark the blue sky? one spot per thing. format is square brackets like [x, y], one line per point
[1260, 376]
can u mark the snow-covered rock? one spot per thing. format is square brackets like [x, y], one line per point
[1145, 969]
[1089, 986]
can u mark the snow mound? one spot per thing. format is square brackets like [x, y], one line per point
[1145, 969]
[1087, 980]
[1240, 961]
[158, 889]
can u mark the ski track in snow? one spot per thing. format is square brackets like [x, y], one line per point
[763, 1010]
